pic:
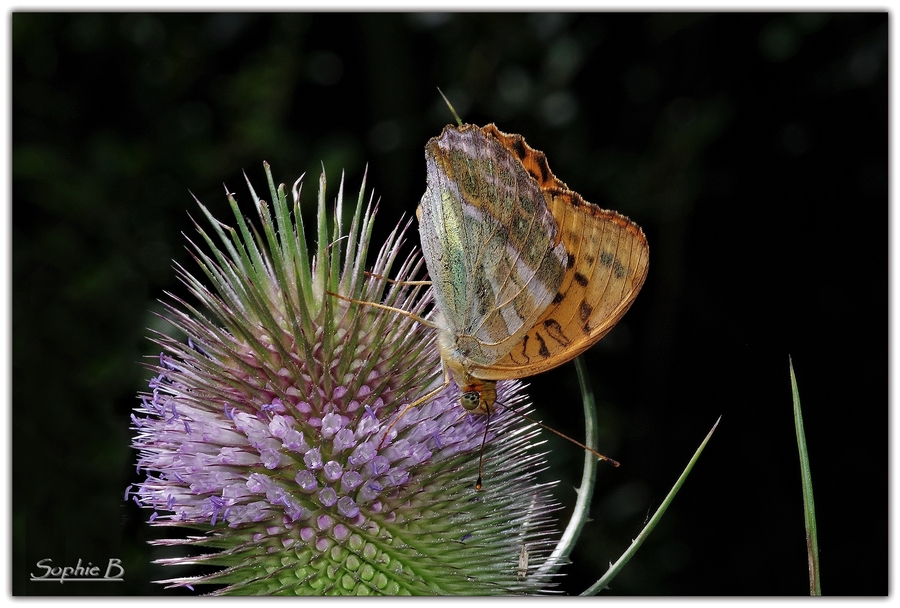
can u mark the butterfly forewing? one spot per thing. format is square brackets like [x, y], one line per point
[491, 244]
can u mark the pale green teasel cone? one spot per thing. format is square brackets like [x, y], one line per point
[261, 430]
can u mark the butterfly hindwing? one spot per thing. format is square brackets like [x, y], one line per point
[610, 262]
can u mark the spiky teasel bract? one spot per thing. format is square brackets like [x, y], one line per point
[263, 429]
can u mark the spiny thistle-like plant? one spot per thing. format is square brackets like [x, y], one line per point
[265, 429]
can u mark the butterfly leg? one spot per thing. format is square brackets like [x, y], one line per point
[395, 281]
[399, 311]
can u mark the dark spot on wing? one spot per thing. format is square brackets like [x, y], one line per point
[619, 270]
[543, 351]
[483, 298]
[555, 330]
[580, 279]
[518, 146]
[606, 258]
[585, 310]
[559, 297]
[543, 166]
[524, 352]
[570, 261]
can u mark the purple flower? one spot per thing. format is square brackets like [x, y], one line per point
[265, 428]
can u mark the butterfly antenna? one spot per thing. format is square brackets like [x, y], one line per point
[487, 424]
[449, 105]
[614, 463]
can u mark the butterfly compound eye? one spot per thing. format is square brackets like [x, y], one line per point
[470, 400]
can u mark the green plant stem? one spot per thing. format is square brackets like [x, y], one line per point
[588, 476]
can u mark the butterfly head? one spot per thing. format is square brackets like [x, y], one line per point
[478, 396]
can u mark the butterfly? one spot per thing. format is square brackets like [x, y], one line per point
[526, 274]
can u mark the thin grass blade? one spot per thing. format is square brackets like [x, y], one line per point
[809, 505]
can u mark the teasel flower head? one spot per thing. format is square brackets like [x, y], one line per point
[263, 429]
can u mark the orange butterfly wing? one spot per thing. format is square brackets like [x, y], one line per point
[608, 259]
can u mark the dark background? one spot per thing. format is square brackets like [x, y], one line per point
[752, 149]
